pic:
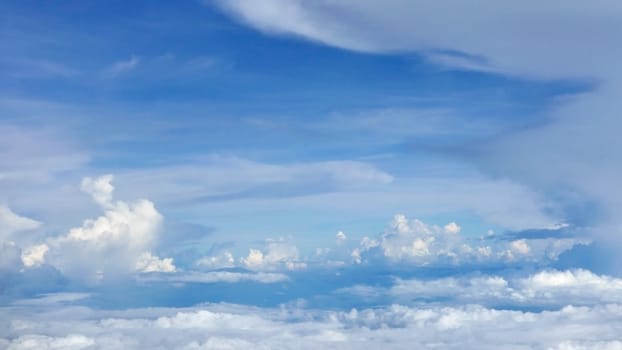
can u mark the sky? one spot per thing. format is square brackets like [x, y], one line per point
[221, 174]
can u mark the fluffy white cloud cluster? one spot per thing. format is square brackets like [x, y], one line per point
[149, 263]
[275, 255]
[226, 326]
[34, 255]
[422, 244]
[545, 288]
[117, 242]
[340, 237]
[223, 259]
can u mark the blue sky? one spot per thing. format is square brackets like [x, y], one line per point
[357, 165]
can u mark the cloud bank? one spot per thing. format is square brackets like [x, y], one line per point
[226, 326]
[547, 288]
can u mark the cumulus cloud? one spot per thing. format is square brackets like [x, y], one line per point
[223, 259]
[340, 237]
[100, 189]
[254, 259]
[117, 242]
[150, 263]
[226, 326]
[35, 255]
[581, 285]
[452, 227]
[414, 241]
[520, 246]
[277, 254]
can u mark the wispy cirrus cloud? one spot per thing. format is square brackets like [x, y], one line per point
[211, 277]
[122, 67]
[11, 223]
[557, 156]
[40, 69]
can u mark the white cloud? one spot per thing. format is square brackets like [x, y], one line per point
[452, 227]
[69, 342]
[520, 246]
[423, 244]
[393, 327]
[340, 237]
[579, 285]
[545, 288]
[277, 254]
[100, 189]
[116, 243]
[222, 260]
[35, 255]
[254, 259]
[149, 263]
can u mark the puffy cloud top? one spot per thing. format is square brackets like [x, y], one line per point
[117, 242]
[416, 242]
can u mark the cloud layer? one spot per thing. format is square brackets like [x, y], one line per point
[547, 288]
[228, 326]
